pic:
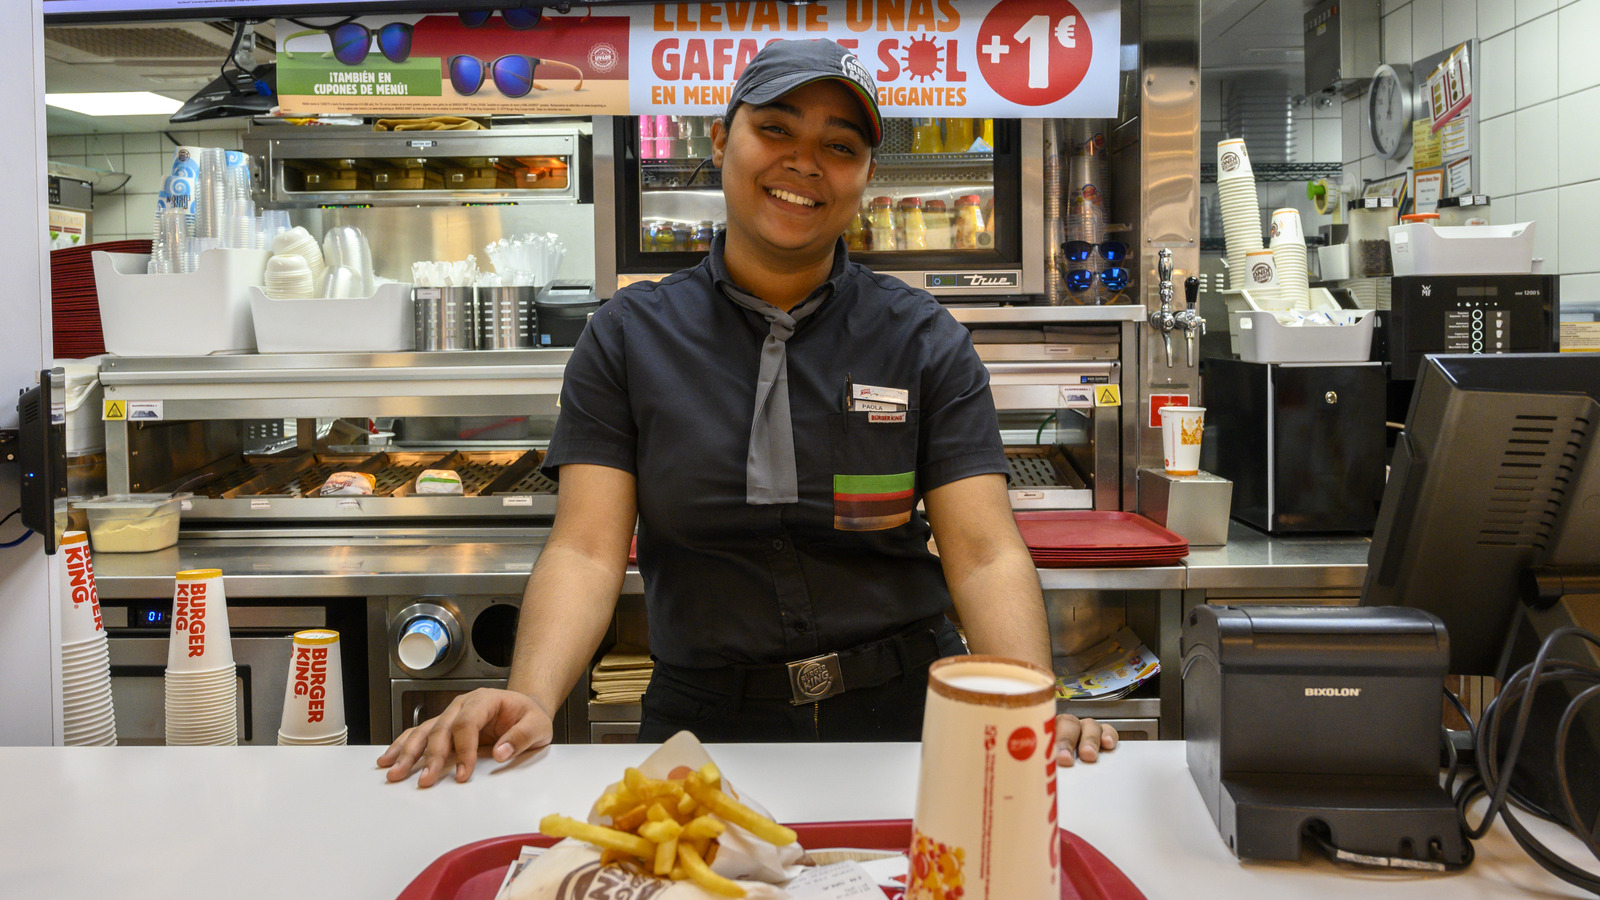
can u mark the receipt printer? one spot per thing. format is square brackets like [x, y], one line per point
[1327, 720]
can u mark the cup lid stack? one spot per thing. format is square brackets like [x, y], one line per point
[202, 688]
[88, 714]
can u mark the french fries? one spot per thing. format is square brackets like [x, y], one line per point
[670, 827]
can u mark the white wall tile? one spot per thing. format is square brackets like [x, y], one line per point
[103, 144]
[1388, 6]
[142, 142]
[1495, 16]
[66, 145]
[1541, 208]
[1537, 150]
[1575, 62]
[108, 216]
[1579, 124]
[1325, 107]
[1427, 24]
[1527, 10]
[148, 171]
[1536, 61]
[1579, 228]
[1503, 210]
[1497, 76]
[1459, 22]
[1326, 140]
[1301, 140]
[1579, 289]
[1397, 36]
[227, 140]
[1373, 167]
[1498, 161]
[1351, 114]
[141, 213]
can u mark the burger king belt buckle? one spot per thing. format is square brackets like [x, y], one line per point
[816, 678]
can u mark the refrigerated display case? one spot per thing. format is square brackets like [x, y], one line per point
[959, 223]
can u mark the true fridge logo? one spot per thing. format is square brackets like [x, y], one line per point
[310, 679]
[1333, 692]
[189, 614]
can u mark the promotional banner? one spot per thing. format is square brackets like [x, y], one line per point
[988, 58]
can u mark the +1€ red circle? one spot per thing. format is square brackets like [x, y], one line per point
[1034, 54]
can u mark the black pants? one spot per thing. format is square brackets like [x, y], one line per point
[888, 712]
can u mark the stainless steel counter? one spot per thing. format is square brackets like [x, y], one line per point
[498, 561]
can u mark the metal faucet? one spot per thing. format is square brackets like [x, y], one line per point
[1162, 319]
[1189, 319]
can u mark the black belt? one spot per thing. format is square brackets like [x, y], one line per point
[816, 678]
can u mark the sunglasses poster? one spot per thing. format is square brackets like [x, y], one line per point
[994, 58]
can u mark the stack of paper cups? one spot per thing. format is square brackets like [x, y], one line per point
[313, 698]
[1262, 277]
[202, 683]
[1241, 211]
[88, 718]
[1288, 243]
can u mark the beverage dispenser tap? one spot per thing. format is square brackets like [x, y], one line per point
[1189, 318]
[1162, 319]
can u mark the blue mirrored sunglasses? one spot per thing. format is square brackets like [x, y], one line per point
[352, 41]
[519, 19]
[1114, 278]
[1079, 251]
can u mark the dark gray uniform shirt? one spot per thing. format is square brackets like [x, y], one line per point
[662, 384]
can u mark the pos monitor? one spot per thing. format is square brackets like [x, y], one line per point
[1491, 521]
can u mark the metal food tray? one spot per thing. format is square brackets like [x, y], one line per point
[1042, 477]
[494, 483]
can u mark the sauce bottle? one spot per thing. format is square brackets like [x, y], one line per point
[957, 135]
[881, 220]
[925, 136]
[936, 216]
[915, 228]
[855, 234]
[969, 222]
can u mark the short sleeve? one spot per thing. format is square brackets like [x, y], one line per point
[596, 424]
[960, 433]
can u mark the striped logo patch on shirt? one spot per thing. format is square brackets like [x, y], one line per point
[872, 502]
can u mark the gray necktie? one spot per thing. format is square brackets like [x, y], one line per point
[770, 475]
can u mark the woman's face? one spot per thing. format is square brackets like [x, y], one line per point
[793, 170]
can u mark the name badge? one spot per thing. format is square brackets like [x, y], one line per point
[874, 406]
[881, 394]
[886, 416]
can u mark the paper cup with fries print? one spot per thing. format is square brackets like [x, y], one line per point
[985, 824]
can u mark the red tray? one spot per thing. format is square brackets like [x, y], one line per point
[1095, 530]
[474, 872]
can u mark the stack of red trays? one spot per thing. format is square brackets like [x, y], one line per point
[1093, 538]
[74, 304]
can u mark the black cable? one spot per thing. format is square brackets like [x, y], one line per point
[18, 542]
[9, 515]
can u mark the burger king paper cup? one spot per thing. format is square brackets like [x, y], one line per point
[313, 698]
[1233, 160]
[1181, 428]
[1263, 275]
[80, 602]
[986, 795]
[199, 639]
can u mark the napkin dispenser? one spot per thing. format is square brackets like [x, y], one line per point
[1193, 506]
[1325, 719]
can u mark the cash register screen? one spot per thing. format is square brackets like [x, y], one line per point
[1497, 470]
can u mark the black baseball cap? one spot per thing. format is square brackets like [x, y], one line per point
[782, 66]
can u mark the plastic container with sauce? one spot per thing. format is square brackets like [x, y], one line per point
[133, 523]
[478, 173]
[916, 228]
[936, 217]
[925, 136]
[540, 175]
[1468, 209]
[855, 234]
[404, 175]
[881, 222]
[338, 175]
[1370, 218]
[969, 223]
[957, 135]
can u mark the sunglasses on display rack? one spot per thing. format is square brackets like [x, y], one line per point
[352, 41]
[518, 19]
[1080, 251]
[512, 74]
[1080, 280]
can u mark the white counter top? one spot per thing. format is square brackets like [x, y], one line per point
[270, 822]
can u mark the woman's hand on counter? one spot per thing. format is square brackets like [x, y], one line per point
[1082, 739]
[508, 721]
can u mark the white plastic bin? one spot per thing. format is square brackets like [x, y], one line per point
[193, 314]
[380, 323]
[1421, 249]
[1263, 339]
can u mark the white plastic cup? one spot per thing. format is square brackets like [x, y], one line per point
[313, 698]
[80, 602]
[199, 639]
[986, 794]
[1233, 160]
[1261, 275]
[1181, 429]
[424, 643]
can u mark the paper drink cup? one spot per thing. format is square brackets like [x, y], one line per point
[1286, 227]
[1181, 428]
[313, 698]
[1233, 160]
[80, 601]
[986, 795]
[1261, 275]
[198, 638]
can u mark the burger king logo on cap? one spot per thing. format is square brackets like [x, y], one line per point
[853, 69]
[1229, 161]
